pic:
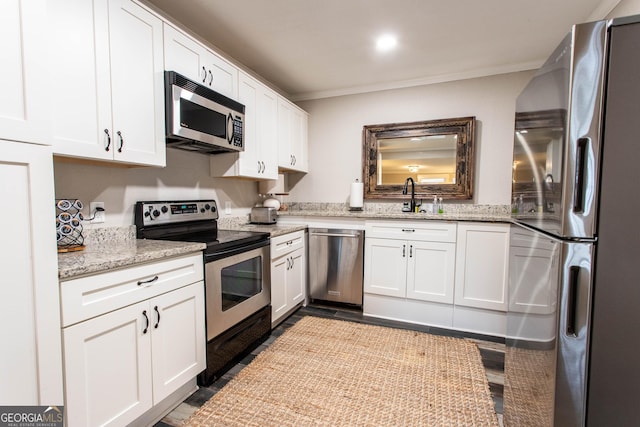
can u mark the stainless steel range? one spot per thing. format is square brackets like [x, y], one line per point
[237, 276]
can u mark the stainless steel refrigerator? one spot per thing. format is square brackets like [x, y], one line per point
[573, 322]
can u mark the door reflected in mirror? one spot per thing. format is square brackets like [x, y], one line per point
[437, 154]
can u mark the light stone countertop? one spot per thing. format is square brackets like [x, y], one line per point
[275, 229]
[101, 258]
[453, 216]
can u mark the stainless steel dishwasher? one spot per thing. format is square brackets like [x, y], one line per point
[336, 265]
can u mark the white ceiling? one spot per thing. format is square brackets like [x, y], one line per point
[318, 48]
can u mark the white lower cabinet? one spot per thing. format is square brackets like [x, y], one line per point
[288, 274]
[121, 363]
[482, 268]
[438, 273]
[420, 266]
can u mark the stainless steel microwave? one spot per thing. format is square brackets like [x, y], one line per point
[200, 119]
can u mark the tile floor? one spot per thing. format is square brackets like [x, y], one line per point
[491, 350]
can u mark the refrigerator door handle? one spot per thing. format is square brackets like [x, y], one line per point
[572, 301]
[581, 165]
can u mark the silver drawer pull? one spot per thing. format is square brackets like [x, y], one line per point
[409, 230]
[144, 282]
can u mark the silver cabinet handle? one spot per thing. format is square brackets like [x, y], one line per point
[211, 75]
[404, 248]
[409, 230]
[293, 262]
[204, 75]
[106, 131]
[410, 251]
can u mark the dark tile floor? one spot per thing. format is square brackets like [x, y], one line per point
[491, 350]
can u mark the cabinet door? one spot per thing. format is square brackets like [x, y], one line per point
[285, 118]
[430, 271]
[80, 84]
[296, 277]
[385, 267]
[23, 67]
[268, 131]
[249, 162]
[482, 266]
[279, 288]
[108, 367]
[31, 356]
[222, 76]
[178, 338]
[137, 84]
[292, 136]
[299, 121]
[183, 55]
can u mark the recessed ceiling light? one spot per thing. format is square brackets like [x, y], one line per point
[386, 42]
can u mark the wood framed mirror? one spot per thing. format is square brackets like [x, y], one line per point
[437, 154]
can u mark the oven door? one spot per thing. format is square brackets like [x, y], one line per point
[237, 286]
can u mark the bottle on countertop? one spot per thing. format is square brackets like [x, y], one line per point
[440, 206]
[435, 204]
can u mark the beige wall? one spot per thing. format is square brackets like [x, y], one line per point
[335, 127]
[625, 8]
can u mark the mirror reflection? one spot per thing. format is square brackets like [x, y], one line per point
[437, 155]
[429, 159]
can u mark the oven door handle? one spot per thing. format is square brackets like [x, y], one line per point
[230, 252]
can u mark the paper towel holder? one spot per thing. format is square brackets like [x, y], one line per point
[356, 197]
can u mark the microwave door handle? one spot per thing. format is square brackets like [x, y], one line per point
[230, 129]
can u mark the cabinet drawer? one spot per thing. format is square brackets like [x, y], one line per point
[286, 243]
[427, 231]
[94, 295]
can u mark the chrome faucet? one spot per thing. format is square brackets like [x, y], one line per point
[413, 192]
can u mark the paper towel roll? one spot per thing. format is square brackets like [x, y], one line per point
[357, 192]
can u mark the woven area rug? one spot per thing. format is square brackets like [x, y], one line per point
[325, 372]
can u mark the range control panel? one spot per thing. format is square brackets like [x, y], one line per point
[154, 213]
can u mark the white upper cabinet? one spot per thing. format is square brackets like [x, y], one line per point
[260, 156]
[23, 70]
[193, 60]
[292, 137]
[106, 81]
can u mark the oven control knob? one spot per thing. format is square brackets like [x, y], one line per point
[156, 213]
[213, 208]
[164, 209]
[147, 213]
[207, 207]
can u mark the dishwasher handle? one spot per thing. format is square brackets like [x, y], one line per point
[315, 233]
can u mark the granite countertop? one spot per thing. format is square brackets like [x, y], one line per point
[447, 216]
[100, 258]
[275, 229]
[371, 210]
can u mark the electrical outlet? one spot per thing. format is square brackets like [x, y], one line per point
[98, 216]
